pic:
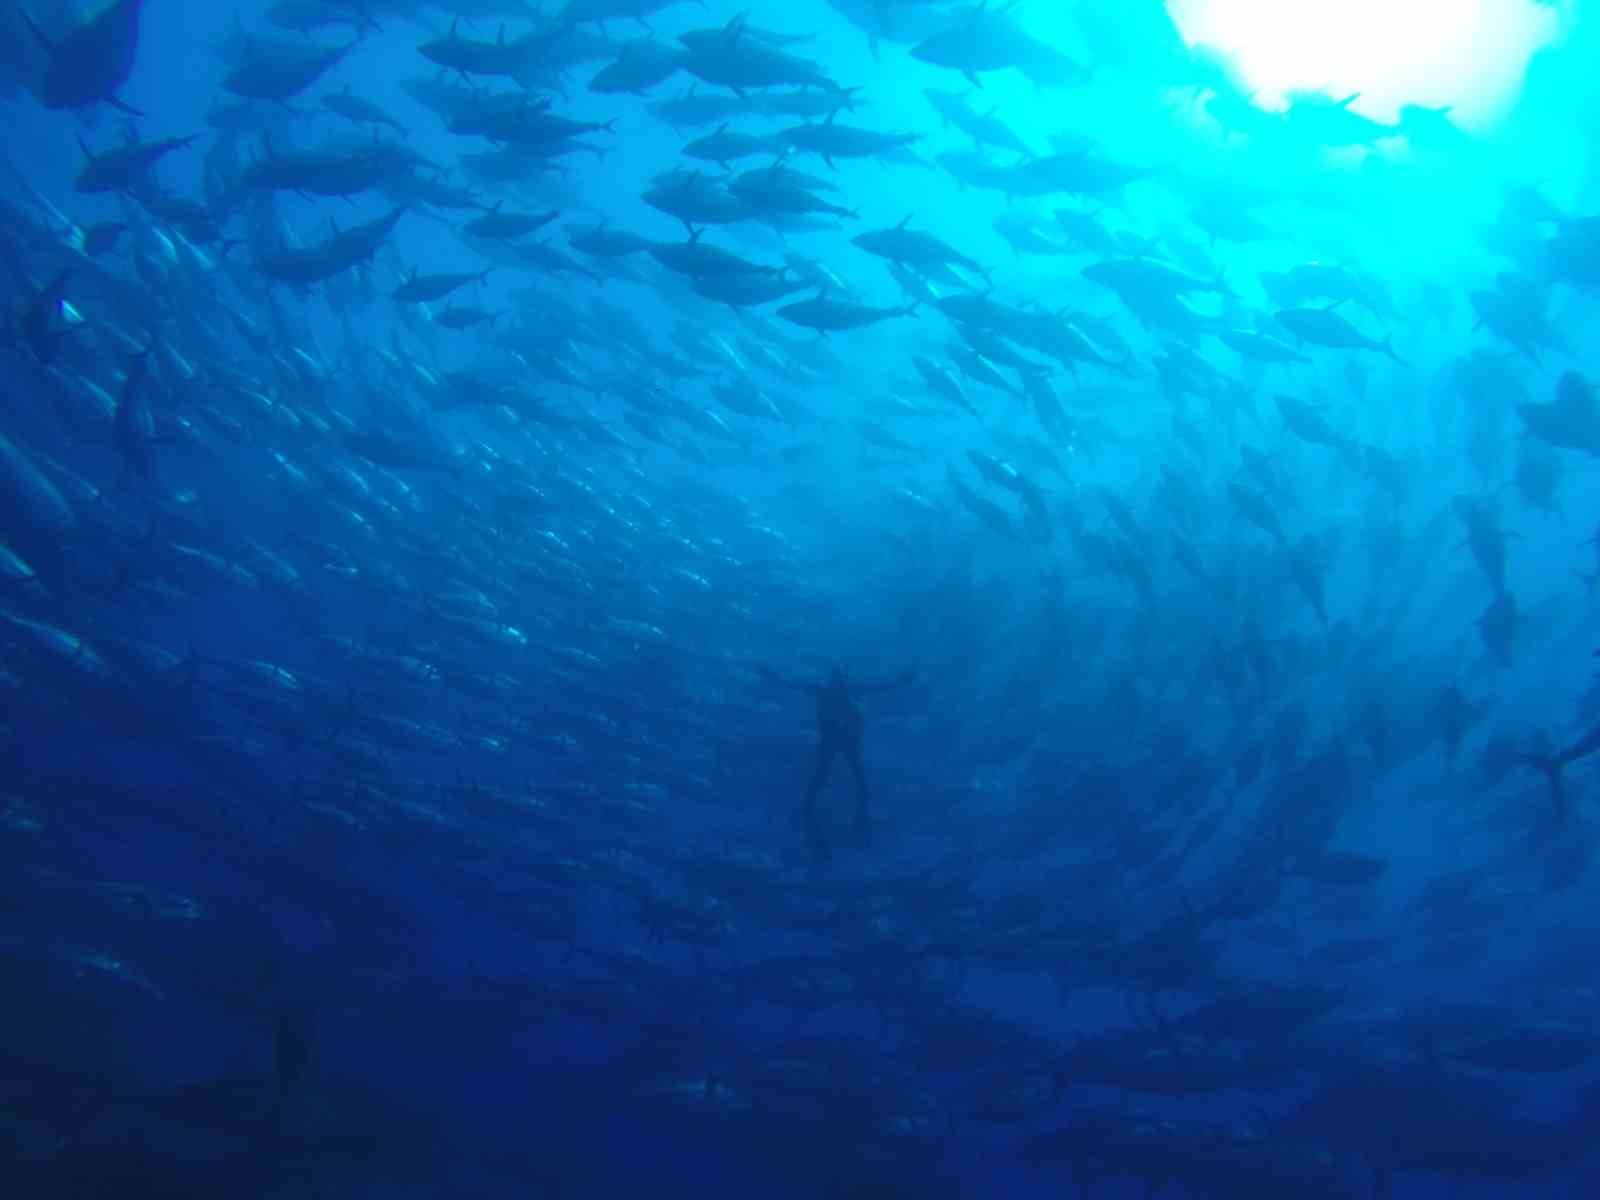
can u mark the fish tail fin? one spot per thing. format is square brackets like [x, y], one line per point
[1353, 452]
[1550, 765]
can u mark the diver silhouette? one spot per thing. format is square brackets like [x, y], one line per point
[838, 735]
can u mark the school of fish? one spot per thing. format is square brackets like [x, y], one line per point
[414, 446]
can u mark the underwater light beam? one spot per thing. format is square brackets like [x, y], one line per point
[1468, 54]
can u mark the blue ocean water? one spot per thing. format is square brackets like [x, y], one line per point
[862, 599]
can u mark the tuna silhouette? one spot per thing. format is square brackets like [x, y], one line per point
[1571, 421]
[90, 63]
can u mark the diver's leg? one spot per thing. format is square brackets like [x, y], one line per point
[819, 776]
[860, 771]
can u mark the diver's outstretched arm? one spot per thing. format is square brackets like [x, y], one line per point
[889, 685]
[798, 685]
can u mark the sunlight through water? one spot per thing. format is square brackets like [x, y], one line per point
[1470, 55]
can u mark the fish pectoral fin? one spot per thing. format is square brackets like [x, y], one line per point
[33, 26]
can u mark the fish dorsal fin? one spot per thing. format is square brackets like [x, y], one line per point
[830, 117]
[694, 238]
[1348, 100]
[904, 221]
[501, 40]
[84, 146]
[453, 25]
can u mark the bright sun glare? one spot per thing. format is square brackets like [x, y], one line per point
[1468, 54]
